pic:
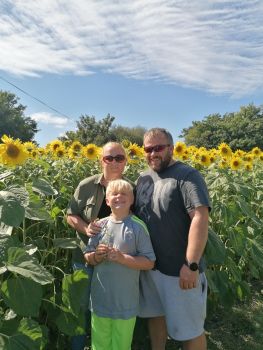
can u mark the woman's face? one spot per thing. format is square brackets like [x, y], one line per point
[113, 160]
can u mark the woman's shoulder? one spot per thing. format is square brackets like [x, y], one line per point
[91, 180]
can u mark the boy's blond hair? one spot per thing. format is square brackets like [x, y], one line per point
[118, 186]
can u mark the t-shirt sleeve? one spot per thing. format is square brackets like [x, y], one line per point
[194, 192]
[143, 242]
[92, 244]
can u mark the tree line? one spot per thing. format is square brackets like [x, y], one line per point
[240, 130]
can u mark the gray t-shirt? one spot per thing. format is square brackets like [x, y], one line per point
[163, 201]
[115, 287]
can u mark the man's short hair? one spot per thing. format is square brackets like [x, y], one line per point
[156, 131]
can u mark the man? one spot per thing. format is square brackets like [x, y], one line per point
[172, 199]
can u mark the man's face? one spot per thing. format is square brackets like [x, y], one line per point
[158, 159]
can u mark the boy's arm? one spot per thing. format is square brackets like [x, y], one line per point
[133, 262]
[97, 255]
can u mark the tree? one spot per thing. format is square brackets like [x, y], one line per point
[134, 135]
[240, 130]
[99, 132]
[13, 122]
[91, 131]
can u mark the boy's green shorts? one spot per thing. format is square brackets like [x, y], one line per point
[111, 334]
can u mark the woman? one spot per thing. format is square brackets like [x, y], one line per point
[88, 204]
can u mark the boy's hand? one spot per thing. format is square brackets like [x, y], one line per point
[101, 252]
[115, 255]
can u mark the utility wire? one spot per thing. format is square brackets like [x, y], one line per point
[37, 99]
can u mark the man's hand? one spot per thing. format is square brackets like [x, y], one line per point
[188, 279]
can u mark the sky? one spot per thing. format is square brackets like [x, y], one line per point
[149, 63]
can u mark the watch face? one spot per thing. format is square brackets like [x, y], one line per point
[193, 266]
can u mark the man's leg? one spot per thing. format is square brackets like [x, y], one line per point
[198, 343]
[158, 332]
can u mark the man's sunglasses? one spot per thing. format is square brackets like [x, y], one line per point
[119, 158]
[157, 148]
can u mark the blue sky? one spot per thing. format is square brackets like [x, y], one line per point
[146, 62]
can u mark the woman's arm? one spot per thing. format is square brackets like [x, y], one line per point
[89, 229]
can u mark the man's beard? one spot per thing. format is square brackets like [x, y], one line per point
[163, 163]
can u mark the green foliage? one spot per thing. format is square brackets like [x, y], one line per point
[240, 130]
[13, 122]
[41, 298]
[91, 131]
[134, 135]
[100, 132]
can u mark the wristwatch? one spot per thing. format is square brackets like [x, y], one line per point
[193, 266]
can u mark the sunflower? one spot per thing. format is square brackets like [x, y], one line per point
[179, 149]
[224, 150]
[223, 164]
[53, 145]
[60, 152]
[248, 157]
[91, 151]
[125, 143]
[204, 158]
[76, 146]
[30, 146]
[135, 153]
[256, 151]
[41, 151]
[248, 166]
[186, 155]
[239, 153]
[12, 152]
[235, 163]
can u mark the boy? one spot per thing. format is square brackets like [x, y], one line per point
[118, 253]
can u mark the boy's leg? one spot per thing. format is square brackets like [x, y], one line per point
[122, 332]
[101, 332]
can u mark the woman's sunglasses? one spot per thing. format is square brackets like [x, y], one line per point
[119, 158]
[157, 148]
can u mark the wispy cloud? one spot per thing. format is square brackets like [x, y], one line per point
[212, 45]
[50, 119]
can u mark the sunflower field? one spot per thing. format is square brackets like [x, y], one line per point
[40, 294]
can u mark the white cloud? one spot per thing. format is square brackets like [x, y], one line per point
[211, 45]
[47, 118]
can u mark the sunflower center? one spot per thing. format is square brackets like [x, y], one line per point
[90, 151]
[12, 151]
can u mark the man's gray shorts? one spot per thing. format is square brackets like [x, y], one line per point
[184, 309]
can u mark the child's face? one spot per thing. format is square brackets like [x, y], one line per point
[120, 199]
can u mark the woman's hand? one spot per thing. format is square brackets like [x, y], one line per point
[93, 228]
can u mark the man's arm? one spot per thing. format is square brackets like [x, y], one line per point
[197, 239]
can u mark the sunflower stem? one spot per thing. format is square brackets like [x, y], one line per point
[24, 231]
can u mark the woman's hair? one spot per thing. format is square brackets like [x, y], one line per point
[113, 143]
[118, 186]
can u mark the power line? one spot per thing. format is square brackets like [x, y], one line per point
[37, 99]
